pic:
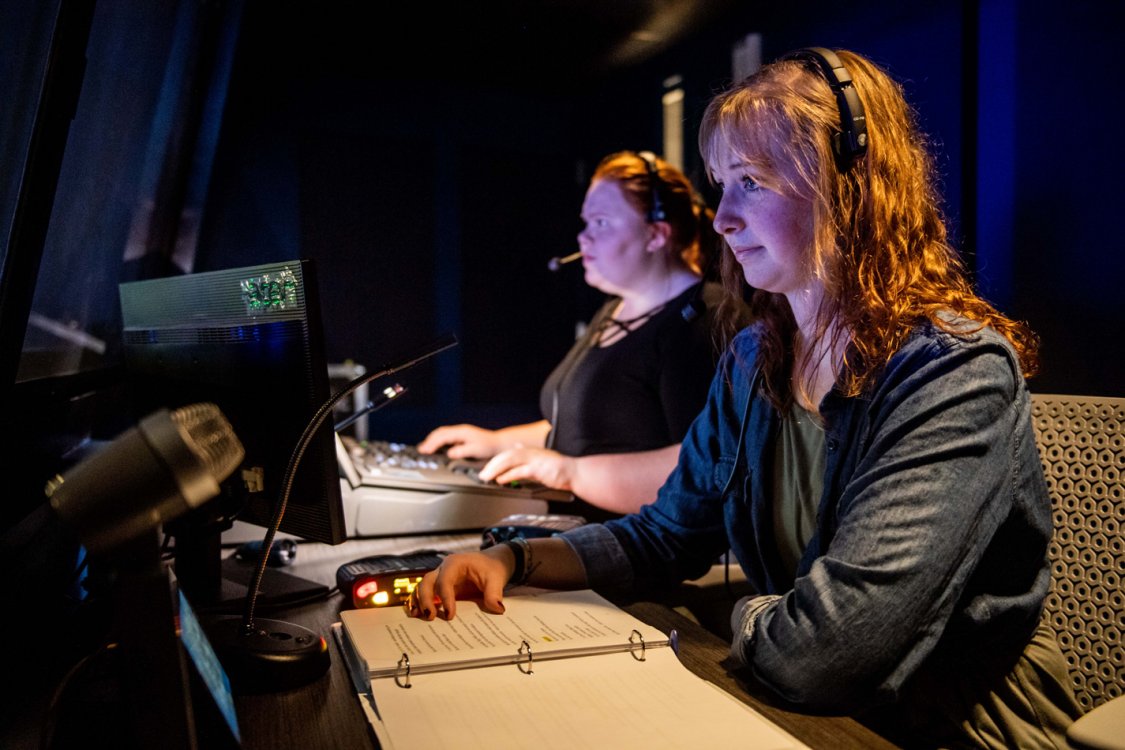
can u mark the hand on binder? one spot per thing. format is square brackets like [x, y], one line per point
[548, 562]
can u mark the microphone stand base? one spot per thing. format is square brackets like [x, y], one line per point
[274, 657]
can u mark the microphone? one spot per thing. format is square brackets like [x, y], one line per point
[265, 655]
[556, 263]
[168, 464]
[384, 397]
[697, 305]
[694, 307]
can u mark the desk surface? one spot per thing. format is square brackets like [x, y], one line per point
[327, 714]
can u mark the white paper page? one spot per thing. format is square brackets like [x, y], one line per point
[377, 726]
[358, 677]
[611, 700]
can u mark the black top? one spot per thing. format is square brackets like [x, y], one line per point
[639, 393]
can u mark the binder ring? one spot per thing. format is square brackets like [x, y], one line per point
[525, 647]
[634, 638]
[402, 674]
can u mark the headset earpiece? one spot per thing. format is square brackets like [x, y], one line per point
[850, 142]
[695, 306]
[656, 213]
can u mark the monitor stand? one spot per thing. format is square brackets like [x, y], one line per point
[277, 590]
[217, 585]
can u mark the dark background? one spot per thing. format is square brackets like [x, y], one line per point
[430, 160]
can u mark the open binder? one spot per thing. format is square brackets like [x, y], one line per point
[558, 669]
[535, 627]
[525, 657]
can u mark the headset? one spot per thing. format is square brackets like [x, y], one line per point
[850, 142]
[694, 306]
[656, 213]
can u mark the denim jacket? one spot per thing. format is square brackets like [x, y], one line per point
[931, 533]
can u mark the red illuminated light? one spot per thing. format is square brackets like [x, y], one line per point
[365, 589]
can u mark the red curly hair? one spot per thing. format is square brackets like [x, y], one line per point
[880, 242]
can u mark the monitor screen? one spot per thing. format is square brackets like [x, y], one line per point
[250, 341]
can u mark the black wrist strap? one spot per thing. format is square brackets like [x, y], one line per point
[519, 547]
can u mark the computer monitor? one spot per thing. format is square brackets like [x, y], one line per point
[250, 341]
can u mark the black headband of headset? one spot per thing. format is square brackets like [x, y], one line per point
[850, 142]
[656, 213]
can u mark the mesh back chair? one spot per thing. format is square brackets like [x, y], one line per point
[1081, 442]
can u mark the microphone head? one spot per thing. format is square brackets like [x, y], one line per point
[211, 439]
[556, 263]
[693, 309]
[170, 463]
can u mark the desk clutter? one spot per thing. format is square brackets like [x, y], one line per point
[348, 707]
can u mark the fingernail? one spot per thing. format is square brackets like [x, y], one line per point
[426, 612]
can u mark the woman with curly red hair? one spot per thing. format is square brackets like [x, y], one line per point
[866, 451]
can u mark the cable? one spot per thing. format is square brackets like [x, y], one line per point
[46, 737]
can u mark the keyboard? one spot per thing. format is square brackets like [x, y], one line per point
[383, 463]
